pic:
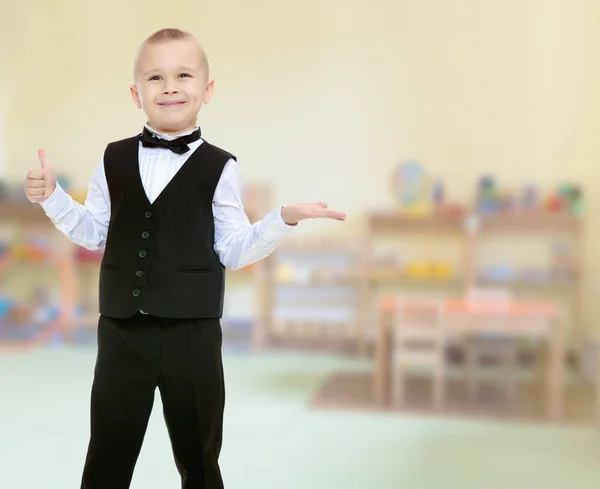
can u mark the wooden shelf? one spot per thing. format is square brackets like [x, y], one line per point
[529, 222]
[317, 303]
[311, 328]
[391, 220]
[306, 266]
[524, 283]
[340, 281]
[474, 231]
[321, 246]
[381, 221]
[397, 277]
[25, 216]
[23, 213]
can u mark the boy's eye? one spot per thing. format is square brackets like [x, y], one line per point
[185, 75]
[154, 78]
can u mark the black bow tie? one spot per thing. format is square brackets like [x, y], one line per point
[179, 145]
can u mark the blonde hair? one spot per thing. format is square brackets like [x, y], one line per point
[171, 34]
[168, 34]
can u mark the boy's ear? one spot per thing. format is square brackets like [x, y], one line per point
[208, 93]
[135, 96]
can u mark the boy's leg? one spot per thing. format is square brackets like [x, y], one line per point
[125, 379]
[193, 396]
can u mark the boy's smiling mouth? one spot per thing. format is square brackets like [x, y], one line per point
[173, 103]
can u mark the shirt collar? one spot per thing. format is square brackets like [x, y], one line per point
[169, 137]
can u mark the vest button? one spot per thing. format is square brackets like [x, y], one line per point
[136, 292]
[148, 214]
[139, 274]
[143, 254]
[145, 235]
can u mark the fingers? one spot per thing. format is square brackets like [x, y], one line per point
[38, 178]
[35, 194]
[35, 183]
[331, 214]
[35, 200]
[37, 174]
[316, 210]
[327, 214]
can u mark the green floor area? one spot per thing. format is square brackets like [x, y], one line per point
[273, 441]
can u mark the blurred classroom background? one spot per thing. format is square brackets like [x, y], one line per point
[444, 336]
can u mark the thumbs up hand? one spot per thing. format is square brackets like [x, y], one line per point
[41, 182]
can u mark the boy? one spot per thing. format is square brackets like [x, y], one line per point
[166, 207]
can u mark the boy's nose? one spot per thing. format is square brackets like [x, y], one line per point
[169, 87]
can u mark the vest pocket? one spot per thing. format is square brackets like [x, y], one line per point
[109, 267]
[192, 269]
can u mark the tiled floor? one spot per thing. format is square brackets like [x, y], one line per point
[273, 441]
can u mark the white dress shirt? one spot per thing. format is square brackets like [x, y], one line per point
[237, 242]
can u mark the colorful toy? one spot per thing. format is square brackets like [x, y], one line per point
[417, 270]
[567, 197]
[509, 202]
[439, 194]
[498, 273]
[488, 198]
[410, 188]
[28, 251]
[433, 270]
[441, 270]
[530, 200]
[40, 321]
[571, 197]
[408, 182]
[554, 203]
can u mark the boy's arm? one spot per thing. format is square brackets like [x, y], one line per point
[85, 225]
[237, 242]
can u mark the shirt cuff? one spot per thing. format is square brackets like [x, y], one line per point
[274, 227]
[56, 202]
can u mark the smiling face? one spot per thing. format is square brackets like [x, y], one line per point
[171, 84]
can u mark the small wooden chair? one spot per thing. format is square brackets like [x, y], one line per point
[419, 341]
[502, 349]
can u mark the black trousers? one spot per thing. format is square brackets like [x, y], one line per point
[135, 356]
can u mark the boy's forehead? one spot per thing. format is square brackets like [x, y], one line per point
[167, 54]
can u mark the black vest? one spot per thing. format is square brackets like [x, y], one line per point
[160, 257]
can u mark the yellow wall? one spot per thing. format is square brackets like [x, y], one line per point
[322, 97]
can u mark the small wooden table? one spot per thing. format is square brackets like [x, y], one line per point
[538, 319]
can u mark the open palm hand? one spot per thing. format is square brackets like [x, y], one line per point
[292, 214]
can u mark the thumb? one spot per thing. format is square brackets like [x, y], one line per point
[44, 161]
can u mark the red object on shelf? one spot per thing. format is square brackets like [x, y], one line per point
[555, 203]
